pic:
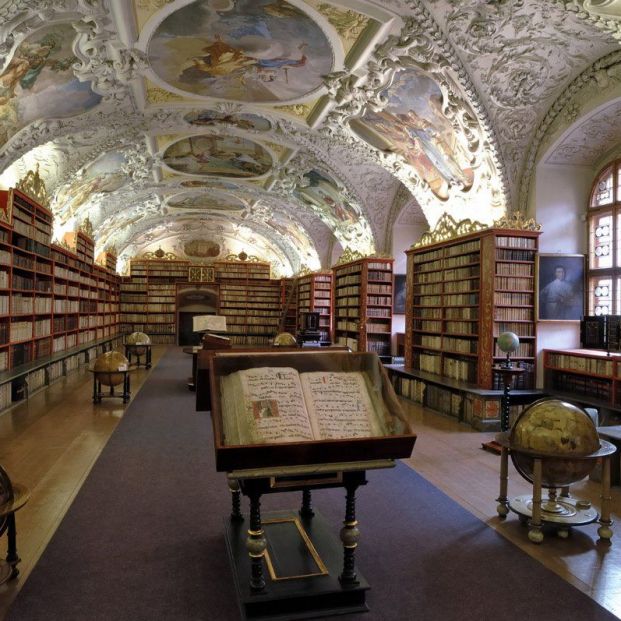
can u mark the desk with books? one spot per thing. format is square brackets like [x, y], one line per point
[299, 421]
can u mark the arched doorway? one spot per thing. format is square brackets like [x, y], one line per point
[191, 301]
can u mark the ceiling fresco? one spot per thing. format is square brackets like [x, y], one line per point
[296, 129]
[218, 156]
[264, 51]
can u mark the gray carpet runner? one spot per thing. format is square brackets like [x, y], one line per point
[143, 540]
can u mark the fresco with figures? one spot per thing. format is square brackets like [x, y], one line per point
[211, 118]
[323, 194]
[414, 126]
[264, 51]
[292, 231]
[215, 201]
[39, 83]
[224, 156]
[105, 174]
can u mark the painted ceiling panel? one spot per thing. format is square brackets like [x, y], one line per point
[289, 128]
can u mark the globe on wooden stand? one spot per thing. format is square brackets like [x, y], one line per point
[110, 369]
[138, 344]
[554, 444]
[284, 339]
[508, 342]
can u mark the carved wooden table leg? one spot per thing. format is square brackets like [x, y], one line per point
[236, 514]
[349, 536]
[503, 501]
[256, 543]
[535, 533]
[12, 558]
[307, 508]
[604, 530]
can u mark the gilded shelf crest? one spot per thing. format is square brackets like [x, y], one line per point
[32, 185]
[447, 228]
[515, 220]
[86, 227]
[160, 255]
[348, 255]
[244, 257]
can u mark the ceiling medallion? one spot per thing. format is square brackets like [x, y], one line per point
[32, 185]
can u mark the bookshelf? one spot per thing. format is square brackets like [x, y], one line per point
[55, 304]
[149, 298]
[589, 377]
[250, 301]
[289, 305]
[315, 295]
[464, 292]
[363, 305]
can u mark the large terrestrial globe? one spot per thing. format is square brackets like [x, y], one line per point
[508, 342]
[136, 339]
[109, 367]
[562, 433]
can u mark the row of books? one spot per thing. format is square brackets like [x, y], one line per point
[379, 312]
[507, 298]
[585, 364]
[516, 242]
[586, 386]
[381, 276]
[514, 282]
[342, 281]
[515, 269]
[379, 300]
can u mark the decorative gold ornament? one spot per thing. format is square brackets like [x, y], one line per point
[86, 227]
[301, 110]
[33, 186]
[201, 273]
[157, 95]
[243, 257]
[348, 255]
[515, 220]
[348, 24]
[111, 249]
[447, 228]
[159, 254]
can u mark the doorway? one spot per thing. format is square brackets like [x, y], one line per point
[193, 301]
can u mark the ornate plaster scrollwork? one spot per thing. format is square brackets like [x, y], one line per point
[605, 15]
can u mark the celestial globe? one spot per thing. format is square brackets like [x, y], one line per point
[562, 433]
[508, 342]
[136, 339]
[284, 339]
[110, 367]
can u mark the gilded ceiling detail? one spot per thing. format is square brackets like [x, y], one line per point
[243, 123]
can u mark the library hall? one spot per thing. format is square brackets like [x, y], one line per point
[310, 309]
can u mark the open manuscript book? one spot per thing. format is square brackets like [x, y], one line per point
[278, 404]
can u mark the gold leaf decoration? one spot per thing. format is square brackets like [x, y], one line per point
[145, 9]
[157, 95]
[160, 255]
[448, 228]
[32, 185]
[86, 227]
[243, 257]
[515, 220]
[302, 110]
[348, 255]
[349, 24]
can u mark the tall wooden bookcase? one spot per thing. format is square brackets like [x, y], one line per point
[289, 305]
[464, 292]
[363, 304]
[315, 295]
[250, 300]
[57, 308]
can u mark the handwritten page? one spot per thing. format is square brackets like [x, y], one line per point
[274, 405]
[340, 405]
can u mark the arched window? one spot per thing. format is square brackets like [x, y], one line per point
[604, 218]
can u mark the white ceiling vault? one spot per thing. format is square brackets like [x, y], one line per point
[289, 128]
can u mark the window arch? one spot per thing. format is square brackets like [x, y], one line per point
[604, 222]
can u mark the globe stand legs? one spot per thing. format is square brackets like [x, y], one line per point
[503, 501]
[256, 544]
[306, 509]
[12, 558]
[535, 532]
[604, 530]
[236, 514]
[349, 536]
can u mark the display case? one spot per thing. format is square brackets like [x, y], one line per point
[396, 439]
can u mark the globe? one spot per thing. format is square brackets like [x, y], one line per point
[284, 339]
[562, 434]
[508, 342]
[136, 339]
[109, 367]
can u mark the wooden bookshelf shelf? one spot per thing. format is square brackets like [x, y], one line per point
[482, 293]
[363, 305]
[315, 294]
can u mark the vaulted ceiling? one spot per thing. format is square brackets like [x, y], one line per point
[292, 129]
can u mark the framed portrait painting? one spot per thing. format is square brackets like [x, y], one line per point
[560, 287]
[398, 307]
